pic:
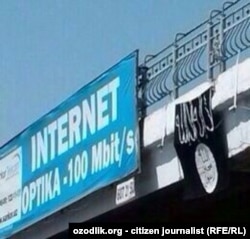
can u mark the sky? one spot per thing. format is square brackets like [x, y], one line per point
[49, 49]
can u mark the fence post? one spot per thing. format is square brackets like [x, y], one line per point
[175, 73]
[209, 51]
[222, 57]
[178, 36]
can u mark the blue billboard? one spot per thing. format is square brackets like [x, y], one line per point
[86, 143]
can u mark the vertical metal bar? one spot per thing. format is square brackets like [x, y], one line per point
[209, 51]
[138, 82]
[222, 57]
[178, 37]
[175, 74]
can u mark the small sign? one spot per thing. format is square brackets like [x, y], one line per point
[10, 188]
[125, 191]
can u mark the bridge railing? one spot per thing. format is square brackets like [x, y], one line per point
[198, 55]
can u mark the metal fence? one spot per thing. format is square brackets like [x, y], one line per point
[200, 54]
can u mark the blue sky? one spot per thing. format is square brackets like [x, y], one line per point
[51, 48]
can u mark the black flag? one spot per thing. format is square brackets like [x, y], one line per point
[201, 146]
